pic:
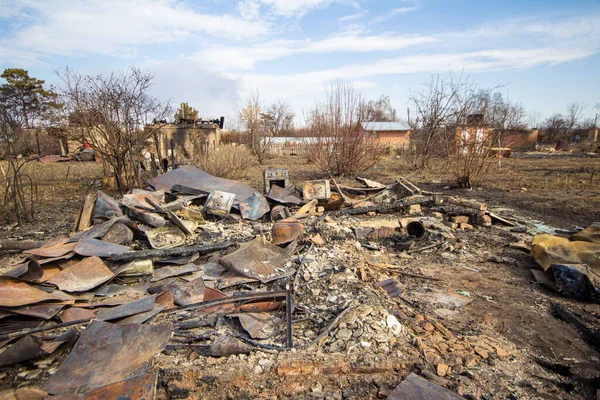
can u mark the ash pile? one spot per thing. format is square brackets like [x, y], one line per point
[204, 268]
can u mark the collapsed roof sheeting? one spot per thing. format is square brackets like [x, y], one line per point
[192, 177]
[107, 353]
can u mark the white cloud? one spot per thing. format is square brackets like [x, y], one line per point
[115, 27]
[290, 8]
[352, 17]
[236, 58]
[211, 93]
[392, 13]
[480, 61]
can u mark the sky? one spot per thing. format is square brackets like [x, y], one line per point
[214, 53]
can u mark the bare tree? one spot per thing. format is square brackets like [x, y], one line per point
[381, 110]
[488, 120]
[251, 116]
[342, 147]
[115, 113]
[460, 122]
[16, 188]
[574, 114]
[438, 106]
[278, 119]
[535, 119]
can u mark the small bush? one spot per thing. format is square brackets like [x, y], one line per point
[229, 161]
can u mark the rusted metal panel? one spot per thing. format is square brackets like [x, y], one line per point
[417, 388]
[96, 231]
[166, 272]
[258, 325]
[106, 206]
[28, 271]
[53, 249]
[219, 203]
[139, 198]
[125, 310]
[83, 276]
[253, 207]
[108, 353]
[14, 293]
[93, 247]
[142, 387]
[75, 314]
[319, 190]
[257, 259]
[288, 195]
[119, 233]
[183, 293]
[31, 347]
[192, 177]
[43, 311]
[286, 230]
[163, 301]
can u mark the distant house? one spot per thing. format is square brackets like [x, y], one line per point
[393, 134]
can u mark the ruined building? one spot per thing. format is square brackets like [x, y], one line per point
[188, 139]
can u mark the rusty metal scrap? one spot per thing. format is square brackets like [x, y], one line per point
[43, 311]
[286, 230]
[31, 347]
[258, 325]
[253, 207]
[85, 275]
[183, 293]
[76, 314]
[93, 247]
[142, 387]
[53, 249]
[288, 195]
[136, 205]
[125, 310]
[119, 233]
[107, 353]
[14, 293]
[96, 231]
[417, 388]
[164, 301]
[106, 206]
[257, 259]
[166, 272]
[28, 271]
[279, 212]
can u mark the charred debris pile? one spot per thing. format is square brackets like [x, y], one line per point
[205, 265]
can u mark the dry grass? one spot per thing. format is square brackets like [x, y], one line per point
[229, 161]
[53, 186]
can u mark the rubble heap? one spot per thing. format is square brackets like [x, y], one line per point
[204, 266]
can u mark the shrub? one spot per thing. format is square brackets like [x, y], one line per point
[229, 161]
[342, 147]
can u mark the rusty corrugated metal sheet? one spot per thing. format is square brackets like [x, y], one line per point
[108, 353]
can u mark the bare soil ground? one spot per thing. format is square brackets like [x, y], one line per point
[532, 354]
